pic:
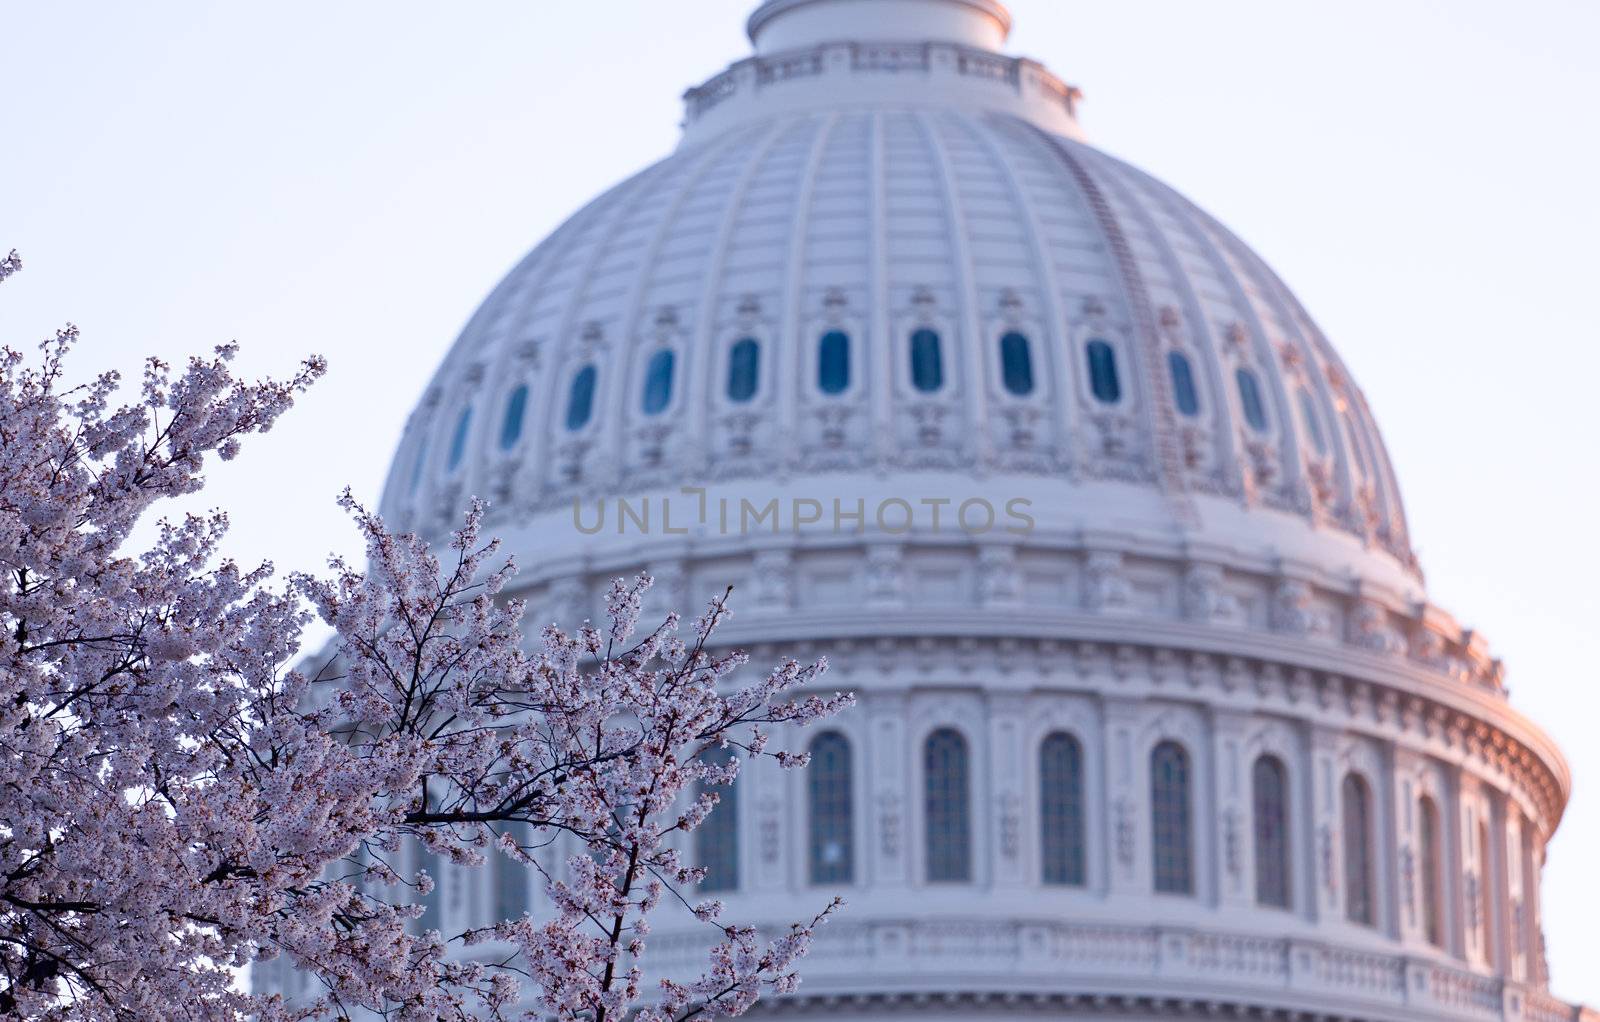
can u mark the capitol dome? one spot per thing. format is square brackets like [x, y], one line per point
[1155, 717]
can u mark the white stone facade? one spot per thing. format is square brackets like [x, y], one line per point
[1217, 564]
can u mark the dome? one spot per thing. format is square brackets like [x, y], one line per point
[1155, 715]
[1220, 414]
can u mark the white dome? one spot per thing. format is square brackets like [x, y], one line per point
[883, 271]
[878, 220]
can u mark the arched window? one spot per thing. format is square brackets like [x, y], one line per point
[511, 880]
[1485, 893]
[716, 840]
[946, 806]
[1103, 382]
[1016, 364]
[458, 439]
[1269, 798]
[431, 918]
[658, 382]
[419, 464]
[832, 810]
[927, 361]
[1359, 900]
[511, 425]
[1184, 394]
[744, 369]
[580, 399]
[1432, 872]
[1061, 809]
[1308, 415]
[1171, 830]
[833, 362]
[1255, 412]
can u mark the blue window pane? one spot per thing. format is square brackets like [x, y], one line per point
[833, 362]
[1270, 808]
[458, 442]
[927, 361]
[1308, 413]
[1184, 394]
[658, 382]
[832, 810]
[1357, 813]
[1061, 809]
[580, 398]
[716, 840]
[1255, 411]
[1016, 364]
[511, 425]
[1103, 382]
[1170, 827]
[744, 370]
[946, 809]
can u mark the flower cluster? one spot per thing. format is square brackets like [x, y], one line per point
[178, 800]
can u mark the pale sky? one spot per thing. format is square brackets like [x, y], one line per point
[351, 178]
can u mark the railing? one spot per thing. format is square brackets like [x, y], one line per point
[952, 957]
[1017, 73]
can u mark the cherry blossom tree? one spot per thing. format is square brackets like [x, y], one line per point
[179, 799]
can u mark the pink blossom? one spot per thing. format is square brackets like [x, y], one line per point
[180, 800]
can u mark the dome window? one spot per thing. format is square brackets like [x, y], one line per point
[1269, 797]
[1103, 382]
[658, 382]
[580, 399]
[927, 361]
[716, 840]
[1184, 394]
[832, 801]
[1357, 813]
[1432, 873]
[1308, 414]
[1255, 410]
[1016, 364]
[947, 807]
[744, 370]
[1171, 823]
[1061, 809]
[833, 362]
[511, 425]
[458, 441]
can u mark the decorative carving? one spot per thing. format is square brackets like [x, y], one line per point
[1125, 832]
[1106, 588]
[773, 578]
[1369, 629]
[999, 580]
[1010, 825]
[1293, 612]
[1232, 853]
[1204, 598]
[771, 829]
[885, 575]
[889, 825]
[1330, 878]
